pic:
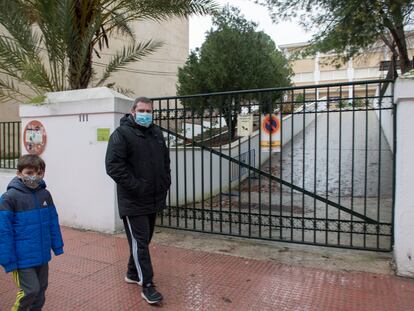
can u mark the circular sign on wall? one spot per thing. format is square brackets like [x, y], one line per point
[34, 137]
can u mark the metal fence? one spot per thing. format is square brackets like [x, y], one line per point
[9, 144]
[331, 184]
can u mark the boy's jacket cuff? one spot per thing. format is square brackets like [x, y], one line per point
[10, 267]
[58, 251]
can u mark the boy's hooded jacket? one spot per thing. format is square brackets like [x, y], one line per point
[29, 227]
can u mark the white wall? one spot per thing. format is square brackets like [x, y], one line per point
[183, 160]
[295, 120]
[404, 203]
[5, 177]
[188, 127]
[84, 195]
[386, 117]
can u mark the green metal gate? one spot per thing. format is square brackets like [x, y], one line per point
[331, 184]
[9, 144]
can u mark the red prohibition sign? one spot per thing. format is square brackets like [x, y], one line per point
[270, 124]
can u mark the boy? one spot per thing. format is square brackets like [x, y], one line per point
[29, 229]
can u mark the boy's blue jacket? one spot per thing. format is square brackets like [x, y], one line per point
[29, 227]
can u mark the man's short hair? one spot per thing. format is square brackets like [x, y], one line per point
[31, 161]
[141, 99]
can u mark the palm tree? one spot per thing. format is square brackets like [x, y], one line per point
[48, 45]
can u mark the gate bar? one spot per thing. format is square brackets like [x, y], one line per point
[272, 177]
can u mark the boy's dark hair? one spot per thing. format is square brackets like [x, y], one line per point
[31, 161]
[141, 99]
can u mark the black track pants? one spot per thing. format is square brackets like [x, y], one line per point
[139, 230]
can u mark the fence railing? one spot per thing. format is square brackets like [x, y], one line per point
[9, 144]
[330, 183]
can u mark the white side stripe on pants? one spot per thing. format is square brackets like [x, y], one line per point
[135, 251]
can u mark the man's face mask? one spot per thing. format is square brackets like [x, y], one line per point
[31, 181]
[143, 118]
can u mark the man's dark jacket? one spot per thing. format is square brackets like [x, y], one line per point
[138, 160]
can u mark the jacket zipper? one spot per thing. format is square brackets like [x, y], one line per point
[151, 144]
[37, 205]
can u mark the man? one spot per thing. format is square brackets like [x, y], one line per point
[137, 159]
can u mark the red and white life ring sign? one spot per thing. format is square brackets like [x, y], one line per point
[34, 137]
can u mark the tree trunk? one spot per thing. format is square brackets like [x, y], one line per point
[233, 127]
[80, 74]
[231, 121]
[400, 41]
[229, 114]
[398, 34]
[80, 69]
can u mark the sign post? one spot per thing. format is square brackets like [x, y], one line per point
[244, 125]
[270, 137]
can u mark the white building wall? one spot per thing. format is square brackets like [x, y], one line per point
[386, 116]
[5, 177]
[404, 203]
[156, 74]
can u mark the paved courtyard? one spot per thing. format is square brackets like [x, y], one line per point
[89, 276]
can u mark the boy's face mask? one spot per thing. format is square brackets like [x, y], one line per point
[143, 118]
[31, 178]
[31, 181]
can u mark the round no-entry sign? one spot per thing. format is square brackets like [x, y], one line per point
[270, 124]
[34, 137]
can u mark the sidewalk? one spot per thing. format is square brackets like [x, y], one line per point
[89, 276]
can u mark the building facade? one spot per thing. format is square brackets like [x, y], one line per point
[153, 76]
[323, 69]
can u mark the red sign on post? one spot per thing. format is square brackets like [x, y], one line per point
[270, 137]
[270, 124]
[34, 137]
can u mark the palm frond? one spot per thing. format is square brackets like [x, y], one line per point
[10, 91]
[128, 55]
[161, 9]
[27, 69]
[116, 22]
[55, 19]
[12, 56]
[47, 45]
[125, 91]
[19, 52]
[36, 73]
[20, 29]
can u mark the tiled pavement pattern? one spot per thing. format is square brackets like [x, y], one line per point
[89, 276]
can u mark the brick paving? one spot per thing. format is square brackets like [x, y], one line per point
[89, 276]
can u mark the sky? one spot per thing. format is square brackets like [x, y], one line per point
[282, 33]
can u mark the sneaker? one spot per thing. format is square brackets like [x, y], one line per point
[150, 294]
[132, 281]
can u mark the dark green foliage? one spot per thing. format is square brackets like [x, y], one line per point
[234, 56]
[347, 27]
